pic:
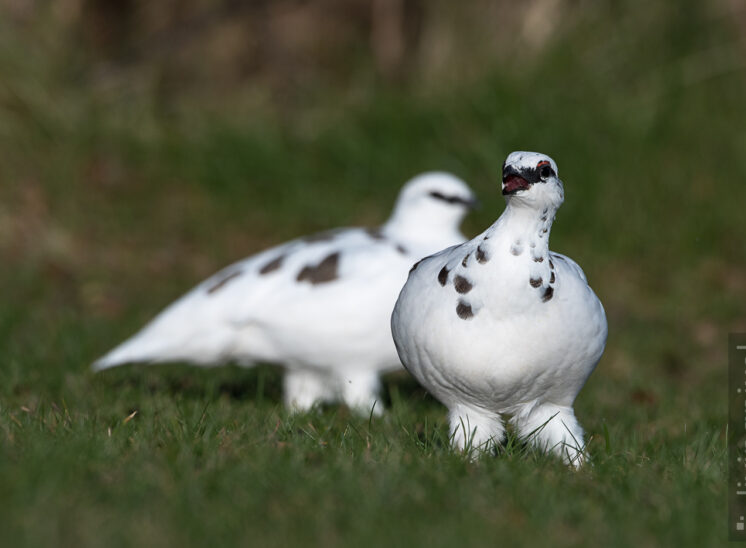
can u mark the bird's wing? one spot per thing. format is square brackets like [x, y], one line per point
[575, 267]
[331, 275]
[446, 260]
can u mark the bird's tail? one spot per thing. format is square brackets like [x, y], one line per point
[130, 351]
[158, 343]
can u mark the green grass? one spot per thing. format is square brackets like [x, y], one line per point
[109, 210]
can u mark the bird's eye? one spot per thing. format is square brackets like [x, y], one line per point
[545, 172]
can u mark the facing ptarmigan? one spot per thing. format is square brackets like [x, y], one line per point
[502, 328]
[320, 306]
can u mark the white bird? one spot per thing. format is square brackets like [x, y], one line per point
[320, 306]
[501, 328]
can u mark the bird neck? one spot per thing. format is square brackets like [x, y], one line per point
[521, 228]
[425, 228]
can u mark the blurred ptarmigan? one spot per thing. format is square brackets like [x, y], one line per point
[320, 306]
[501, 328]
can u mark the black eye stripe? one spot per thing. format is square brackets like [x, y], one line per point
[532, 175]
[449, 199]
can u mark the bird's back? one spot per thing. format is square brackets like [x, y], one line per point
[322, 298]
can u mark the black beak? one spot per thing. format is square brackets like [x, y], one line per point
[508, 171]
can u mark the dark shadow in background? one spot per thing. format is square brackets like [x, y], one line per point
[260, 384]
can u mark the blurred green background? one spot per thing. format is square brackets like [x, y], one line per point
[145, 145]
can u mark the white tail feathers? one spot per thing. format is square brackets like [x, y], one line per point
[159, 342]
[151, 344]
[127, 352]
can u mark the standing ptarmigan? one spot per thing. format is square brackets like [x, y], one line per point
[320, 306]
[500, 328]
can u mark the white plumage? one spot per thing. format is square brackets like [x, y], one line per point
[501, 328]
[320, 306]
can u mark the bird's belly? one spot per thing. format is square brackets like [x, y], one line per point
[329, 332]
[497, 363]
[358, 347]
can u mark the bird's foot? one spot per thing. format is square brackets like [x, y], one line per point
[361, 393]
[475, 432]
[554, 428]
[305, 389]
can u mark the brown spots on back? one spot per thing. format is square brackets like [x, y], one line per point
[551, 264]
[465, 260]
[443, 276]
[548, 294]
[401, 249]
[538, 259]
[462, 285]
[375, 233]
[464, 310]
[223, 280]
[516, 248]
[324, 272]
[535, 282]
[552, 278]
[481, 255]
[272, 265]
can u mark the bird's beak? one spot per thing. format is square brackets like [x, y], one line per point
[513, 182]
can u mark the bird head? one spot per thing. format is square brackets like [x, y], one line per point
[530, 179]
[432, 202]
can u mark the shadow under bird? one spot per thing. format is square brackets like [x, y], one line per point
[320, 306]
[500, 328]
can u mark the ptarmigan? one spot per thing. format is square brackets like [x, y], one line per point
[500, 328]
[320, 306]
